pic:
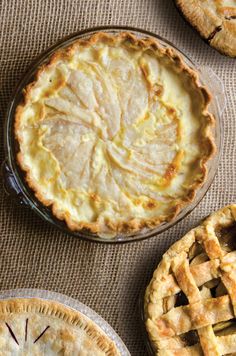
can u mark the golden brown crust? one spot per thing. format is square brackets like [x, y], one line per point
[225, 40]
[216, 25]
[178, 63]
[57, 310]
[199, 261]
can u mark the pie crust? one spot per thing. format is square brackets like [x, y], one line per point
[114, 134]
[215, 20]
[190, 303]
[33, 327]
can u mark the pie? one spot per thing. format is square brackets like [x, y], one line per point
[215, 20]
[190, 303]
[115, 134]
[36, 327]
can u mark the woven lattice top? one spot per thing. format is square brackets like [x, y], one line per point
[191, 300]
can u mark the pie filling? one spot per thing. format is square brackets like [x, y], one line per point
[226, 9]
[212, 35]
[213, 288]
[114, 134]
[219, 28]
[190, 304]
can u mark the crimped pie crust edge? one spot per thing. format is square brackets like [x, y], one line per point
[57, 310]
[227, 215]
[135, 224]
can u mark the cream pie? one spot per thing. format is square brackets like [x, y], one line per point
[114, 134]
[190, 303]
[36, 327]
[215, 20]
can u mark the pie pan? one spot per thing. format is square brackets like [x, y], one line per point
[184, 307]
[14, 178]
[71, 303]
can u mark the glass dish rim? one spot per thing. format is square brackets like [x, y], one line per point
[29, 293]
[29, 196]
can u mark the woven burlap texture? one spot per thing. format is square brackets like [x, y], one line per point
[33, 254]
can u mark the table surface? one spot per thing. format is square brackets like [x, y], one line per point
[35, 255]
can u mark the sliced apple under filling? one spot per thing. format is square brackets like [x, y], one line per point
[115, 134]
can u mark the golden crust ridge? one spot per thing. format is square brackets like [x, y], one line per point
[57, 310]
[216, 25]
[135, 224]
[177, 274]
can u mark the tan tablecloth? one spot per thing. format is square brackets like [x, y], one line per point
[34, 254]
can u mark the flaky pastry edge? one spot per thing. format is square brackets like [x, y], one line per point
[58, 310]
[227, 214]
[133, 225]
[217, 31]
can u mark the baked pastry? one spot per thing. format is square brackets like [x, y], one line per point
[215, 20]
[36, 327]
[115, 134]
[190, 303]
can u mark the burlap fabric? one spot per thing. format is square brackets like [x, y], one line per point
[34, 254]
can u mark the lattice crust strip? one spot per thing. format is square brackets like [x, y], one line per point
[190, 303]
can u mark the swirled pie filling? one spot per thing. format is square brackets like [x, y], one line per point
[114, 134]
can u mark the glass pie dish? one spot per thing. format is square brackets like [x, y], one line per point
[180, 313]
[66, 302]
[14, 177]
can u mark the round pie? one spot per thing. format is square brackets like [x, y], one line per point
[215, 20]
[114, 134]
[190, 303]
[36, 327]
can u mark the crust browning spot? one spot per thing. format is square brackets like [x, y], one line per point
[130, 41]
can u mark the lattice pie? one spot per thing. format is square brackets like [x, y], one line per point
[115, 134]
[36, 327]
[215, 20]
[190, 304]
